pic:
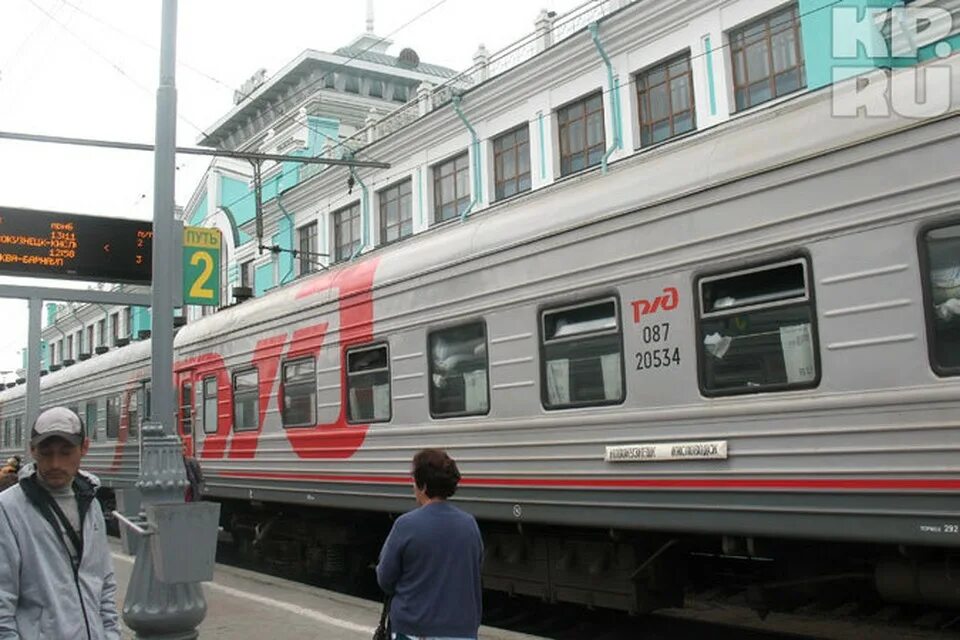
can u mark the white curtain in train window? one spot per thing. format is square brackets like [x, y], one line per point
[475, 390]
[361, 399]
[610, 365]
[381, 402]
[558, 381]
[797, 346]
[946, 292]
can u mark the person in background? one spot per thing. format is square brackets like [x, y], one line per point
[9, 471]
[430, 563]
[56, 573]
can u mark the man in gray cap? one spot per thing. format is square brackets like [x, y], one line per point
[56, 574]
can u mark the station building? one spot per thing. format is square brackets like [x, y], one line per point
[608, 80]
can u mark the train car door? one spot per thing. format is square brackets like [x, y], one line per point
[185, 411]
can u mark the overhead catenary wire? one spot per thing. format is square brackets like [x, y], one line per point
[332, 204]
[138, 40]
[500, 54]
[338, 67]
[114, 65]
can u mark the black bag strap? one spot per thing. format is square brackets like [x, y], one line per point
[385, 612]
[75, 538]
[51, 512]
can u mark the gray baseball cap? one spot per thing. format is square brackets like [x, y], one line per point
[58, 422]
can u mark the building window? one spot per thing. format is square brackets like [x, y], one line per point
[298, 395]
[351, 83]
[53, 353]
[114, 328]
[458, 371]
[7, 434]
[129, 322]
[396, 212]
[90, 343]
[665, 96]
[346, 232]
[246, 273]
[451, 188]
[941, 249]
[308, 248]
[18, 431]
[756, 330]
[246, 400]
[511, 162]
[767, 58]
[368, 384]
[113, 416]
[210, 405]
[69, 352]
[582, 139]
[582, 355]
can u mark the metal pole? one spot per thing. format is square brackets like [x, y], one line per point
[166, 601]
[162, 407]
[34, 305]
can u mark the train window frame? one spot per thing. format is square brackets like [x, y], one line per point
[556, 308]
[808, 298]
[256, 396]
[216, 404]
[113, 425]
[90, 426]
[928, 305]
[186, 421]
[284, 392]
[350, 375]
[431, 370]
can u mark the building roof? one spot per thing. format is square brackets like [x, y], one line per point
[394, 61]
[364, 60]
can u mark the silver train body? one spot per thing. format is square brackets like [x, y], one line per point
[804, 237]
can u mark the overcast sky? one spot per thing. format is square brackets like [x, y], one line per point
[89, 68]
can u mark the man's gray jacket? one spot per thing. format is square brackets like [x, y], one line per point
[42, 593]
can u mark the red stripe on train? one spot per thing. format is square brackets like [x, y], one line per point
[938, 484]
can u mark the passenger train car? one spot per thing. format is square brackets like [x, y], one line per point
[740, 349]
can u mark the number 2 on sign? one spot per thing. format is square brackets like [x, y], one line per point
[198, 289]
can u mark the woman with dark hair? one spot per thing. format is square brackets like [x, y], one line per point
[430, 563]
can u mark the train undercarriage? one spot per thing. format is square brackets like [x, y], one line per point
[633, 571]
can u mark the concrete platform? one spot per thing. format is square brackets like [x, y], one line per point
[244, 605]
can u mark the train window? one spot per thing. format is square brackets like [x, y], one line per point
[299, 396]
[113, 416]
[246, 401]
[211, 404]
[91, 419]
[458, 371]
[133, 413]
[756, 330]
[186, 408]
[941, 248]
[368, 384]
[582, 363]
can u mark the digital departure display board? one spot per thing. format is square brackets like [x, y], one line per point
[47, 244]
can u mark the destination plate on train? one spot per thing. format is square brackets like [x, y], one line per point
[663, 451]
